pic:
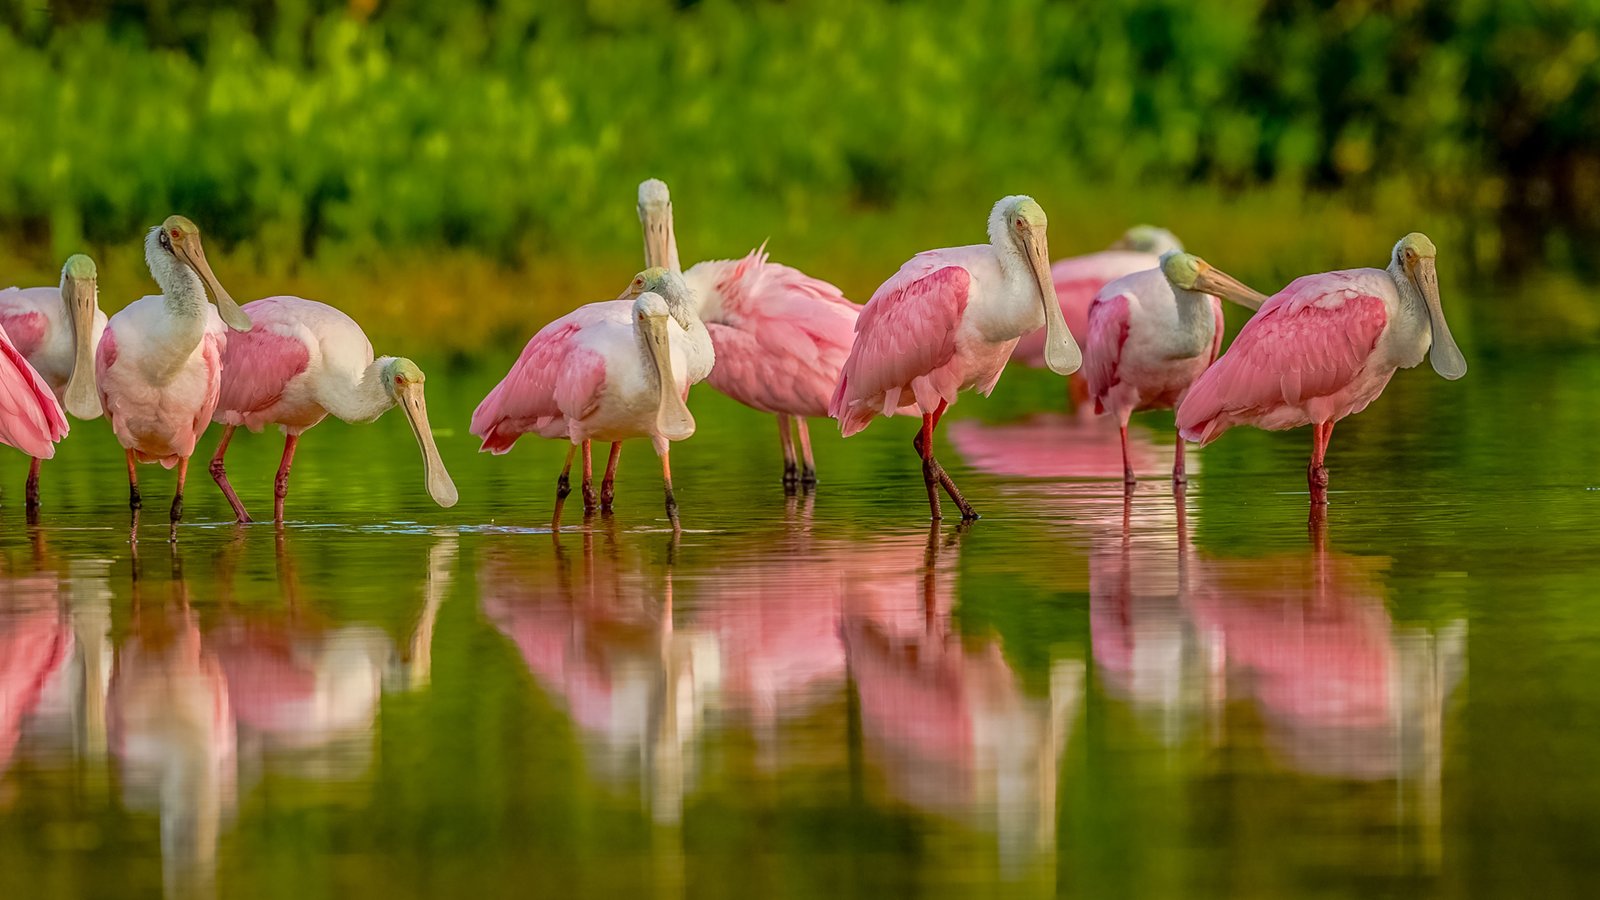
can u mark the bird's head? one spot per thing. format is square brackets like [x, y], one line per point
[652, 321]
[80, 295]
[1148, 239]
[1017, 228]
[403, 381]
[655, 217]
[178, 239]
[1414, 260]
[1190, 273]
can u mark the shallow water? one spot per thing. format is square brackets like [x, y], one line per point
[1205, 695]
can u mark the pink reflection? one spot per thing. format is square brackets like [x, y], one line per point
[1057, 446]
[35, 643]
[944, 718]
[598, 635]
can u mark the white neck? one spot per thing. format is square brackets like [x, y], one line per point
[1015, 310]
[1197, 325]
[184, 297]
[357, 397]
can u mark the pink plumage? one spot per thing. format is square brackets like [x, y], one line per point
[1307, 357]
[780, 336]
[906, 349]
[159, 422]
[31, 419]
[261, 365]
[554, 380]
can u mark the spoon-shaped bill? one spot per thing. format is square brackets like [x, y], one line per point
[1061, 351]
[1217, 283]
[1444, 355]
[80, 298]
[440, 487]
[192, 253]
[673, 419]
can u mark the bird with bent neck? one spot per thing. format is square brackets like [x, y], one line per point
[302, 361]
[159, 365]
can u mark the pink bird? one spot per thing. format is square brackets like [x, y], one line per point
[780, 335]
[1151, 334]
[30, 418]
[301, 361]
[1323, 348]
[1079, 278]
[609, 372]
[947, 322]
[159, 365]
[56, 329]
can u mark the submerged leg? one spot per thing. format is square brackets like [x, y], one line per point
[791, 470]
[608, 484]
[591, 501]
[31, 495]
[177, 499]
[280, 486]
[1127, 463]
[219, 474]
[1316, 471]
[808, 471]
[666, 480]
[932, 471]
[1179, 474]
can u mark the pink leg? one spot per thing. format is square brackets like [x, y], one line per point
[591, 501]
[219, 474]
[1127, 462]
[933, 473]
[1317, 472]
[791, 469]
[608, 484]
[808, 472]
[1179, 475]
[666, 480]
[32, 493]
[563, 485]
[280, 486]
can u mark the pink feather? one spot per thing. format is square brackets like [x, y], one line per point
[30, 418]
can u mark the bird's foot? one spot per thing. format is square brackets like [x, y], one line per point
[1317, 477]
[808, 478]
[608, 494]
[791, 476]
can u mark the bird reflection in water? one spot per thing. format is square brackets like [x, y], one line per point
[944, 719]
[1058, 446]
[36, 643]
[598, 635]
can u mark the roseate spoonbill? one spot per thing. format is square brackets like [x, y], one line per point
[1151, 334]
[947, 322]
[301, 361]
[57, 329]
[159, 365]
[1323, 348]
[780, 335]
[1079, 278]
[594, 375]
[30, 418]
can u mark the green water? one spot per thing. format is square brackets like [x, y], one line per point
[1200, 697]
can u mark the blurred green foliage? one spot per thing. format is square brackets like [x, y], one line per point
[504, 126]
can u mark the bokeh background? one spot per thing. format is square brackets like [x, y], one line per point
[456, 173]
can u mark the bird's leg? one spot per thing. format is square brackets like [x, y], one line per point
[591, 502]
[1179, 475]
[219, 474]
[608, 484]
[791, 471]
[177, 500]
[923, 442]
[31, 495]
[666, 480]
[808, 471]
[1127, 464]
[564, 480]
[280, 485]
[133, 484]
[968, 514]
[1316, 472]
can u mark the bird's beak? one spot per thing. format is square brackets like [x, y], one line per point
[440, 487]
[1444, 354]
[1218, 283]
[672, 416]
[1061, 351]
[81, 297]
[191, 252]
[659, 247]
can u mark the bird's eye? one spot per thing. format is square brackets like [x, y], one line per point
[176, 234]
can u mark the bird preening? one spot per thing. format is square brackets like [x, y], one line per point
[1143, 319]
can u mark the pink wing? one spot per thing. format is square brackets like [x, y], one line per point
[906, 332]
[30, 418]
[256, 368]
[1102, 351]
[214, 345]
[26, 329]
[1077, 280]
[552, 380]
[783, 338]
[1309, 341]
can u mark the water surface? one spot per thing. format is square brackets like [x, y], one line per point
[1207, 694]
